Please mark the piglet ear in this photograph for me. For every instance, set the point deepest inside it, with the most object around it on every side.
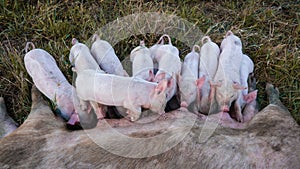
(250, 96)
(160, 76)
(199, 82)
(237, 86)
(151, 76)
(170, 82)
(161, 87)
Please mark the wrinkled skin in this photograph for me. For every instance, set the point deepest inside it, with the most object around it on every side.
(269, 140)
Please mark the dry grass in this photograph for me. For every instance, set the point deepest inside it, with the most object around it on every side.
(269, 32)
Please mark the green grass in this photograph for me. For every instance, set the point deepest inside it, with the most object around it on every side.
(269, 32)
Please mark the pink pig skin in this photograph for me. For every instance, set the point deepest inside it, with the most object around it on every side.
(106, 57)
(247, 67)
(169, 66)
(209, 53)
(187, 79)
(244, 98)
(48, 78)
(133, 94)
(142, 63)
(82, 58)
(155, 52)
(228, 74)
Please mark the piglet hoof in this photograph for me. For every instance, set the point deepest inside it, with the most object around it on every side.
(132, 118)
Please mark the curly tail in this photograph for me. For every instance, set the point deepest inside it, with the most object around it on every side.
(161, 39)
(205, 39)
(95, 37)
(228, 33)
(27, 46)
(196, 47)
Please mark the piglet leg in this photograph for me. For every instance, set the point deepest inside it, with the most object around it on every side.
(134, 115)
(98, 109)
(238, 112)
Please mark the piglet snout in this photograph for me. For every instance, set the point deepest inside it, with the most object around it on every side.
(183, 104)
(225, 108)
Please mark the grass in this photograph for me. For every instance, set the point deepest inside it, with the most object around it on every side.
(269, 32)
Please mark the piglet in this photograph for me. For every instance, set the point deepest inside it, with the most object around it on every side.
(129, 92)
(48, 78)
(207, 68)
(169, 65)
(80, 56)
(106, 57)
(154, 52)
(142, 63)
(246, 69)
(187, 81)
(227, 77)
(245, 98)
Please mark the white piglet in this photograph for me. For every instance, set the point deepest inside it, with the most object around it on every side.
(187, 81)
(48, 78)
(228, 77)
(106, 57)
(82, 59)
(154, 51)
(247, 67)
(142, 63)
(209, 58)
(109, 90)
(169, 65)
